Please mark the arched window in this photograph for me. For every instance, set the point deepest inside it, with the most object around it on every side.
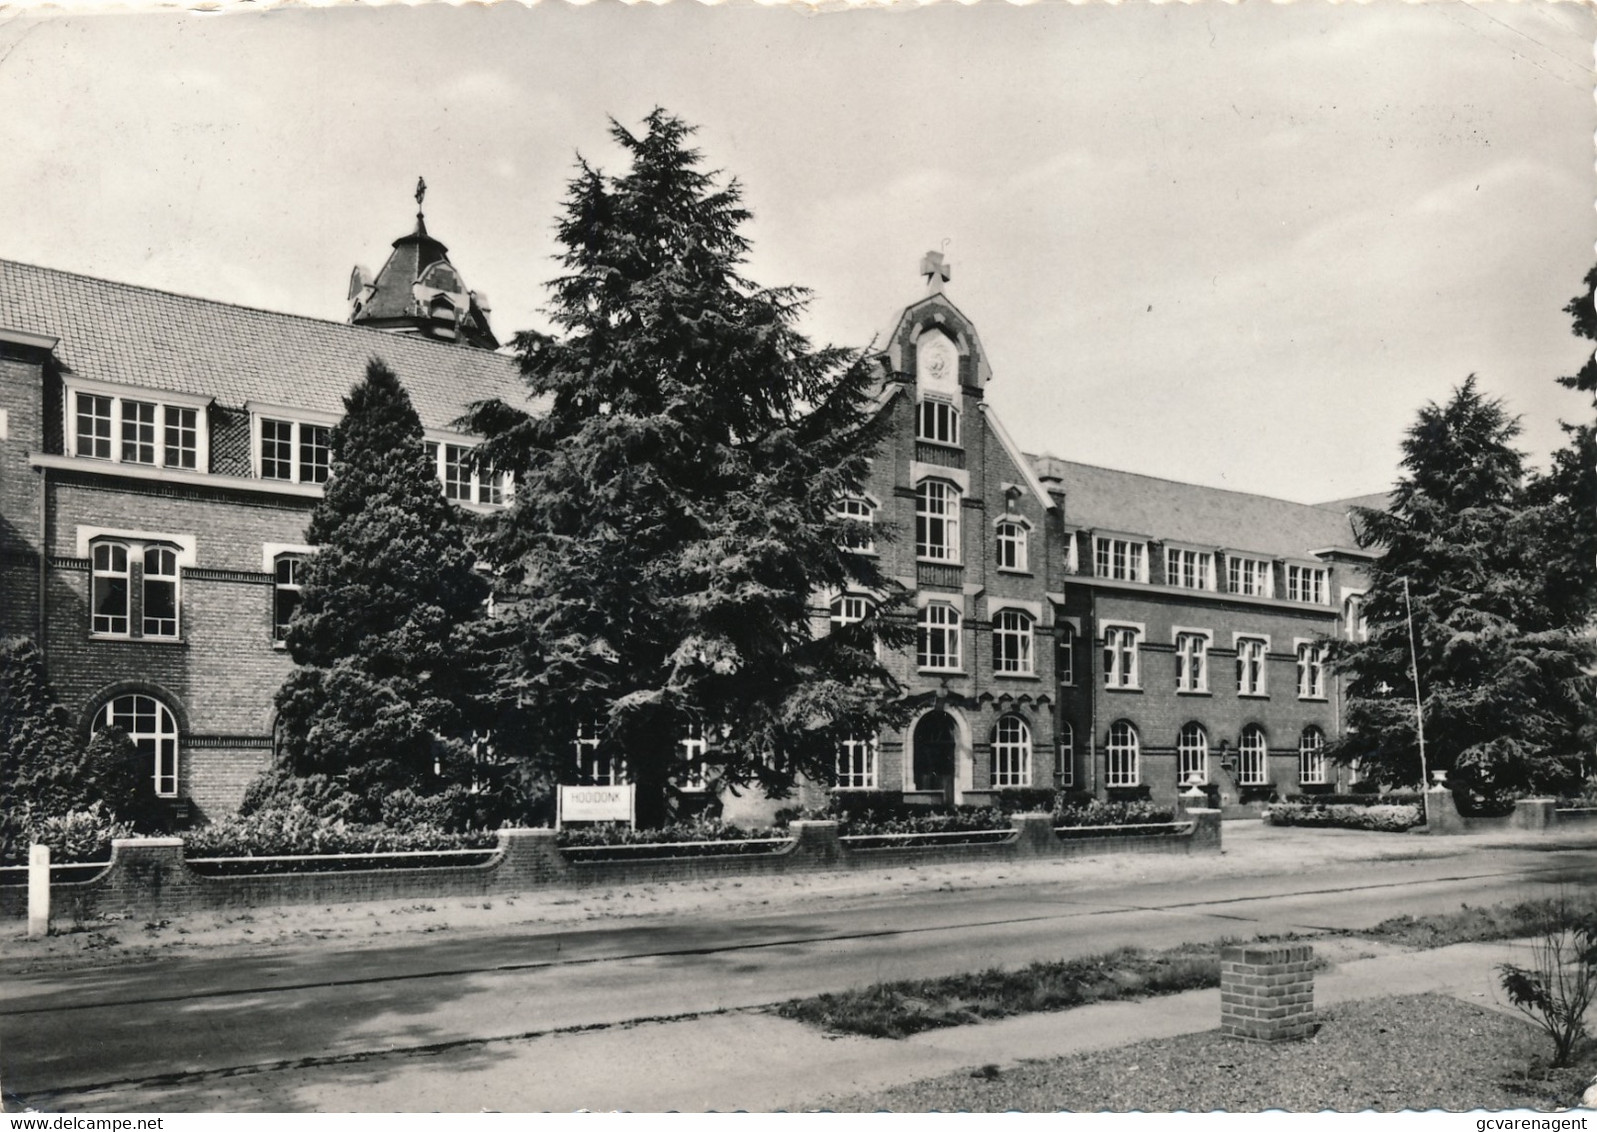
(859, 519)
(937, 421)
(1011, 753)
(1012, 635)
(290, 580)
(135, 589)
(112, 587)
(1123, 755)
(1311, 757)
(937, 521)
(937, 638)
(153, 731)
(856, 763)
(850, 609)
(1193, 747)
(1067, 754)
(1012, 545)
(1254, 768)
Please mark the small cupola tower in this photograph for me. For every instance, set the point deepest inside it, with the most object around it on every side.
(418, 291)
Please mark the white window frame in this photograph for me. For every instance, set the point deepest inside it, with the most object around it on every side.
(1120, 558)
(691, 750)
(436, 446)
(1122, 649)
(1192, 649)
(856, 766)
(136, 545)
(1311, 669)
(1253, 762)
(1249, 576)
(1182, 563)
(280, 587)
(299, 422)
(948, 499)
(1014, 627)
(1312, 768)
(1065, 654)
(948, 623)
(1013, 535)
(1122, 755)
(160, 743)
(1192, 752)
(1309, 584)
(859, 511)
(1011, 753)
(167, 405)
(594, 762)
(937, 421)
(1355, 623)
(1066, 746)
(1253, 652)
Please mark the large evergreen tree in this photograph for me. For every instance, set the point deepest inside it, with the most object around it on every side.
(1500, 671)
(673, 514)
(390, 680)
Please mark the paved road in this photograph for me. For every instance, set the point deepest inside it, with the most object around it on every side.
(186, 1015)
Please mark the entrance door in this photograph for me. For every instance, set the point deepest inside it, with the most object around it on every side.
(936, 742)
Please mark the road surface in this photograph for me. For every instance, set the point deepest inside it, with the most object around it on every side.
(243, 1017)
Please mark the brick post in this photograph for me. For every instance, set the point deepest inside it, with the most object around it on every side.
(1035, 835)
(1535, 813)
(1267, 992)
(528, 858)
(1441, 812)
(1205, 831)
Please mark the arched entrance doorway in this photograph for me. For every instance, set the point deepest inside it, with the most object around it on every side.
(936, 743)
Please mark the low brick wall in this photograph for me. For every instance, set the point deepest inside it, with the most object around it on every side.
(1267, 992)
(149, 879)
(1537, 815)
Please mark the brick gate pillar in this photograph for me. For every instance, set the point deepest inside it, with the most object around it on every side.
(1267, 991)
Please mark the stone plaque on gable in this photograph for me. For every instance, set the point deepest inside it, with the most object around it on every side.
(937, 365)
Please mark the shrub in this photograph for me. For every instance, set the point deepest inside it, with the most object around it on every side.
(291, 831)
(649, 841)
(74, 836)
(1556, 989)
(1096, 812)
(1381, 819)
(1358, 798)
(1027, 800)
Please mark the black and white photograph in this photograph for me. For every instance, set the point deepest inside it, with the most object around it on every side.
(756, 557)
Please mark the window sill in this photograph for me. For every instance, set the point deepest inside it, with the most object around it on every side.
(1016, 676)
(940, 443)
(1193, 692)
(129, 638)
(940, 671)
(1016, 573)
(922, 560)
(1123, 688)
(1253, 695)
(1315, 699)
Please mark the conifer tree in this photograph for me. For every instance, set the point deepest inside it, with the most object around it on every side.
(389, 681)
(1506, 704)
(674, 506)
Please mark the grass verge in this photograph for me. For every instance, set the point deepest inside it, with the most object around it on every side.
(1470, 925)
(1414, 1052)
(898, 1009)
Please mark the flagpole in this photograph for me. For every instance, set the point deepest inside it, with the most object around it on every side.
(1419, 710)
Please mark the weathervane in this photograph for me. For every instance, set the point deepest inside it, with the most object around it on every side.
(421, 191)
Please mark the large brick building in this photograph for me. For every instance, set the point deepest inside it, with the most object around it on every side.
(159, 456)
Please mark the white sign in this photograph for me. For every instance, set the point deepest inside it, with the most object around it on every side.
(595, 803)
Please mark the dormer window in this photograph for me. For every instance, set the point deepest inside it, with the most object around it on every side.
(937, 421)
(1122, 559)
(295, 451)
(1306, 583)
(466, 480)
(1251, 577)
(1189, 569)
(145, 431)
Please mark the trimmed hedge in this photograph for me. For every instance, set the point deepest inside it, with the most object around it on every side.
(1095, 812)
(633, 844)
(294, 832)
(1396, 798)
(1381, 819)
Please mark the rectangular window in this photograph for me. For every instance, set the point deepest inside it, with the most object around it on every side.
(858, 519)
(290, 581)
(182, 437)
(457, 472)
(1305, 583)
(138, 432)
(1311, 672)
(1121, 559)
(315, 453)
(94, 426)
(160, 592)
(134, 589)
(1250, 666)
(1189, 569)
(1012, 642)
(277, 450)
(937, 645)
(1250, 576)
(937, 521)
(1066, 660)
(1011, 546)
(937, 421)
(112, 584)
(1192, 662)
(856, 764)
(1120, 657)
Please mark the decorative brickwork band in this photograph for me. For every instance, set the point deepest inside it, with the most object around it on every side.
(1267, 992)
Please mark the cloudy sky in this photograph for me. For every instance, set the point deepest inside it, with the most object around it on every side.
(1234, 244)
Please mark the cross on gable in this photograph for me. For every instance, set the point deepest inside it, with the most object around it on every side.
(936, 271)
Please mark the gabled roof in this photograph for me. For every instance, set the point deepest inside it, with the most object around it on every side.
(128, 335)
(1378, 501)
(1185, 512)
